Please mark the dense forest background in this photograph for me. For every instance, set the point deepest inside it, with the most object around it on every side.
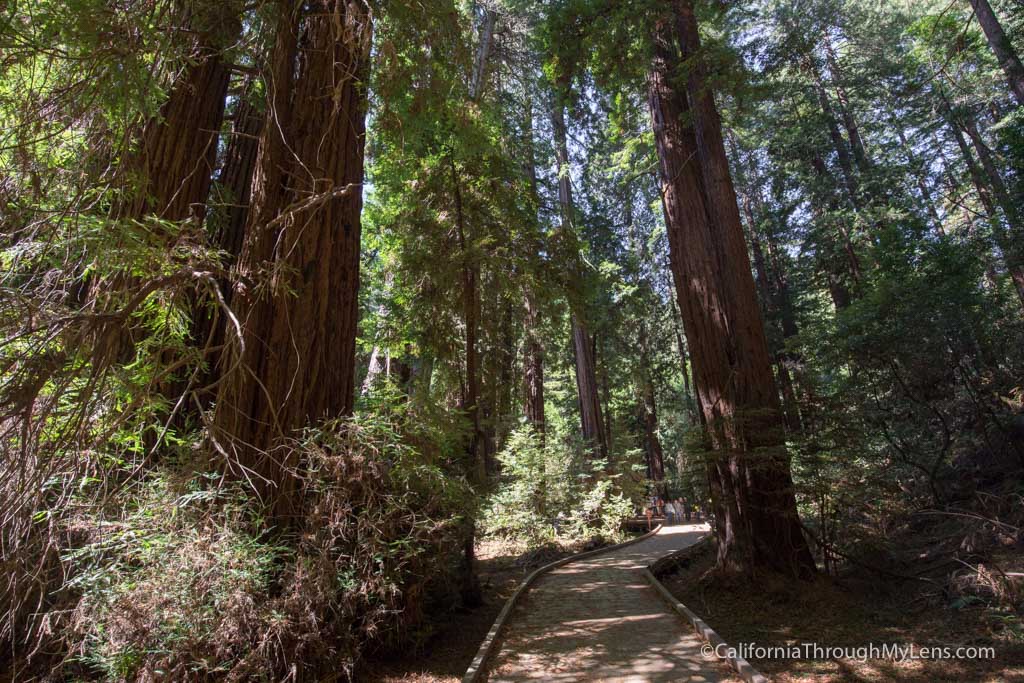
(302, 300)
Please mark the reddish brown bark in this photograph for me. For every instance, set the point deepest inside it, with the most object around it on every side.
(170, 173)
(173, 167)
(591, 422)
(298, 274)
(757, 523)
(230, 202)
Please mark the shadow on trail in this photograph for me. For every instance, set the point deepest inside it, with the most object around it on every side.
(598, 619)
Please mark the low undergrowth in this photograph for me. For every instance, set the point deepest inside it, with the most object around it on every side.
(184, 580)
(948, 579)
(552, 493)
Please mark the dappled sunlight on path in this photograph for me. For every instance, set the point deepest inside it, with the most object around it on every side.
(598, 619)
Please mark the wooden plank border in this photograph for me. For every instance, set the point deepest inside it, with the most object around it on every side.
(477, 667)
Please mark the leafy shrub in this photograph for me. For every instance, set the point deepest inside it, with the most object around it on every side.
(553, 490)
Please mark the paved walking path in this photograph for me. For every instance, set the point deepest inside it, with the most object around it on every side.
(597, 619)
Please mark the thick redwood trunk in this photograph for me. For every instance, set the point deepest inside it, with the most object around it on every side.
(757, 526)
(298, 274)
(175, 162)
(1001, 47)
(170, 173)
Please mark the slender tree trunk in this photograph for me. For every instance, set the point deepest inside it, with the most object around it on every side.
(1001, 46)
(504, 398)
(1010, 239)
(845, 110)
(587, 388)
(601, 358)
(471, 318)
(470, 588)
(231, 195)
(985, 187)
(692, 407)
(653, 453)
(534, 370)
(757, 526)
(298, 275)
(591, 421)
(838, 143)
(920, 177)
(533, 363)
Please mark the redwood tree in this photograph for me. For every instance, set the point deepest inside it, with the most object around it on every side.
(748, 469)
(298, 275)
(592, 424)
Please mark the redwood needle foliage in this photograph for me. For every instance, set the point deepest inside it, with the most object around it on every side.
(302, 300)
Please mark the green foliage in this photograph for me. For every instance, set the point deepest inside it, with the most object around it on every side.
(553, 491)
(186, 581)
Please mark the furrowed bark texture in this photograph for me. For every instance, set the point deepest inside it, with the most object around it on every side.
(298, 274)
(757, 522)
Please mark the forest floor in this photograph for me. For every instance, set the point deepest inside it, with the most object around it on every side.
(853, 611)
(445, 656)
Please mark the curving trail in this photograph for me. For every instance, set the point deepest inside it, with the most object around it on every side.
(597, 619)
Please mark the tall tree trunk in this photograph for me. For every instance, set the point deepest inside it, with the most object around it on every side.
(692, 406)
(984, 186)
(299, 324)
(587, 388)
(231, 195)
(606, 392)
(175, 162)
(591, 422)
(1001, 46)
(533, 362)
(172, 169)
(757, 527)
(653, 452)
(471, 318)
(838, 143)
(1011, 238)
(920, 176)
(533, 366)
(845, 110)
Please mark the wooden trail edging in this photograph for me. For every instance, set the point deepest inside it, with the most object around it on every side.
(744, 668)
(739, 664)
(477, 666)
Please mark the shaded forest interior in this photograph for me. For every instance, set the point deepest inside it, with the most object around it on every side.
(305, 303)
